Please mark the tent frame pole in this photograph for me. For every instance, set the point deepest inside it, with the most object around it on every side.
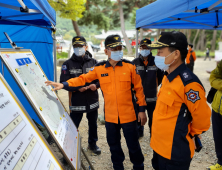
(54, 54)
(137, 34)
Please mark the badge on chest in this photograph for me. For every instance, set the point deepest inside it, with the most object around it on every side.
(104, 75)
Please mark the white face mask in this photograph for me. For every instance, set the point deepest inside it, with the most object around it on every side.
(145, 52)
(79, 51)
(116, 55)
(160, 62)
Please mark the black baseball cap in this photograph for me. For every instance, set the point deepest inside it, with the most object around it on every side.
(79, 40)
(145, 42)
(113, 41)
(171, 39)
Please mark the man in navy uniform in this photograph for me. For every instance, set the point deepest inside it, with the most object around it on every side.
(151, 77)
(85, 98)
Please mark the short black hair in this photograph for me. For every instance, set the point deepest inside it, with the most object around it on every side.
(191, 45)
(183, 53)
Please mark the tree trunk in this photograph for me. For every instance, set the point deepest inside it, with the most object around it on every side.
(76, 28)
(194, 40)
(128, 46)
(188, 35)
(141, 34)
(220, 36)
(213, 42)
(202, 42)
(198, 43)
(158, 33)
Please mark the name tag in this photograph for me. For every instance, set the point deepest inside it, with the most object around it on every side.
(104, 75)
(152, 68)
(74, 71)
(140, 67)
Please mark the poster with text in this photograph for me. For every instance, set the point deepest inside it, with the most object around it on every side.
(28, 74)
(21, 146)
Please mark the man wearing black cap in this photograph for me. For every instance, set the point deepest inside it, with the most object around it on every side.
(85, 98)
(181, 112)
(116, 76)
(151, 77)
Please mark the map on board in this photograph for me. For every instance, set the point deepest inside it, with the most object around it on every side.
(27, 72)
(21, 146)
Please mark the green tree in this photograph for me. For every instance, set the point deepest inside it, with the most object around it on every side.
(70, 9)
(97, 13)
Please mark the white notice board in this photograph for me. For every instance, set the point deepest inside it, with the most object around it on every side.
(30, 77)
(21, 145)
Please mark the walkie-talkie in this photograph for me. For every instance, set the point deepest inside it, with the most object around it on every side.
(198, 143)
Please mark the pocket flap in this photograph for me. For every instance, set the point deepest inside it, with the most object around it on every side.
(166, 99)
(125, 78)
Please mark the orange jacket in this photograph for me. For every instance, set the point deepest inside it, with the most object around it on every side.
(181, 110)
(190, 51)
(115, 84)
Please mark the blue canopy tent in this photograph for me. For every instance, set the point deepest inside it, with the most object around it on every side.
(180, 14)
(29, 23)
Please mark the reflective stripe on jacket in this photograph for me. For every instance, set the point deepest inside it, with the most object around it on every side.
(86, 101)
(150, 75)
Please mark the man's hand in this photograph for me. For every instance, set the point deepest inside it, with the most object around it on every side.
(57, 86)
(92, 87)
(142, 118)
(83, 89)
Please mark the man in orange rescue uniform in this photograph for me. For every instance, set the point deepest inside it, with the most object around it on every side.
(181, 111)
(116, 76)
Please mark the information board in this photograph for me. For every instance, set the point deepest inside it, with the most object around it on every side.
(21, 145)
(28, 74)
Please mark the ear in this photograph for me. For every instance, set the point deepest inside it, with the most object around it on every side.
(86, 48)
(176, 54)
(105, 51)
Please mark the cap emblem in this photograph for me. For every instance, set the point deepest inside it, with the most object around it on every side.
(77, 39)
(173, 43)
(116, 38)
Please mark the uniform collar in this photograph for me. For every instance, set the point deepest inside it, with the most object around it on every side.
(109, 65)
(176, 72)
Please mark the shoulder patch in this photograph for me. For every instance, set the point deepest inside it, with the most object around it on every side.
(91, 69)
(186, 76)
(64, 69)
(193, 96)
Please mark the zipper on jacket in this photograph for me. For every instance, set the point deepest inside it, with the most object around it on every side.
(115, 91)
